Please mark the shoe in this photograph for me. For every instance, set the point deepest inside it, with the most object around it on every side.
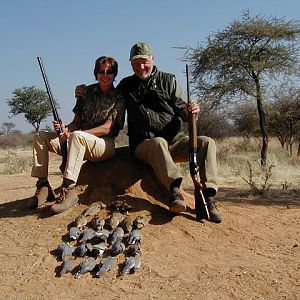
(42, 194)
(177, 204)
(214, 214)
(67, 198)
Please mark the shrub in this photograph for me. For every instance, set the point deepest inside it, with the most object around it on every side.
(11, 163)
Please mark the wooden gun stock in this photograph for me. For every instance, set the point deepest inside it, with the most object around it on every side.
(200, 203)
(63, 146)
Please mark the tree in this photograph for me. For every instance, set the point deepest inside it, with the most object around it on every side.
(241, 59)
(32, 102)
(283, 119)
(7, 127)
(245, 119)
(213, 124)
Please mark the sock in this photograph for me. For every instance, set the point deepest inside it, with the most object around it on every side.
(175, 184)
(67, 183)
(209, 192)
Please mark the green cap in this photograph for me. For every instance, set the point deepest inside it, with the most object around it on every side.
(140, 50)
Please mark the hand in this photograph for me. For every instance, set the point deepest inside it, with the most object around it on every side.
(64, 136)
(193, 107)
(80, 91)
(58, 124)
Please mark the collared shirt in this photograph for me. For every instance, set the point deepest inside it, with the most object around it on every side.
(96, 107)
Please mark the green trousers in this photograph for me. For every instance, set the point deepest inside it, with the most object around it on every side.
(163, 158)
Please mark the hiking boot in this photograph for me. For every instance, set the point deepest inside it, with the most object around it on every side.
(67, 198)
(214, 215)
(42, 194)
(177, 204)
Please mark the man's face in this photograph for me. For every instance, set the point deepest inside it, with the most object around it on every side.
(142, 67)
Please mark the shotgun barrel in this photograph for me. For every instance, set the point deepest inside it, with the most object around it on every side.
(63, 146)
(200, 203)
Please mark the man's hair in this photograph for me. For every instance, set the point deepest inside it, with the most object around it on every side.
(106, 59)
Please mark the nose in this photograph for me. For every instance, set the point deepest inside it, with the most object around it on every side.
(142, 66)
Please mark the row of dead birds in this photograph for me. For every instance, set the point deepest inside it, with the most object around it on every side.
(104, 239)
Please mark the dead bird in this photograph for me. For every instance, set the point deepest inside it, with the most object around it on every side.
(127, 223)
(64, 250)
(103, 234)
(87, 265)
(81, 221)
(117, 247)
(115, 219)
(74, 233)
(81, 250)
(131, 264)
(97, 250)
(139, 222)
(120, 205)
(134, 249)
(107, 263)
(94, 208)
(67, 266)
(98, 223)
(87, 235)
(134, 237)
(117, 233)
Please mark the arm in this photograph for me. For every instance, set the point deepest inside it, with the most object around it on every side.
(101, 130)
(67, 129)
(181, 106)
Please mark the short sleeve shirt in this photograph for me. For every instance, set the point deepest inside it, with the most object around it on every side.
(96, 107)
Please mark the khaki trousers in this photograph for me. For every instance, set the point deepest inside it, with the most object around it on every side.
(163, 158)
(81, 146)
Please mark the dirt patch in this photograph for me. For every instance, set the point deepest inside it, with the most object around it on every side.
(253, 254)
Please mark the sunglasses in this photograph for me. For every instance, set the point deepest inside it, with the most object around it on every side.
(108, 72)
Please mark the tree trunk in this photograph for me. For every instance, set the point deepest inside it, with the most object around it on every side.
(281, 141)
(262, 124)
(291, 149)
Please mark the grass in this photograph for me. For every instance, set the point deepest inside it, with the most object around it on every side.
(238, 164)
(15, 161)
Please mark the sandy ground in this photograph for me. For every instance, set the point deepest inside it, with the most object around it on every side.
(253, 254)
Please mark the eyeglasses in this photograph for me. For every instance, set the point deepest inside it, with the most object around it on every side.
(108, 72)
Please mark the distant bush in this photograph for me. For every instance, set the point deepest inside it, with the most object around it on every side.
(15, 139)
(11, 163)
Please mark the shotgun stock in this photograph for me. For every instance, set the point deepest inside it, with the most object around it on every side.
(200, 203)
(56, 117)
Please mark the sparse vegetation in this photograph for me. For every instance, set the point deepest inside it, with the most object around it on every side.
(12, 163)
(239, 164)
(259, 179)
(238, 160)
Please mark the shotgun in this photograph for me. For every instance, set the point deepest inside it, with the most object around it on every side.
(63, 146)
(200, 203)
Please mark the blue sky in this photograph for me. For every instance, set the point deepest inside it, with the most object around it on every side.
(70, 34)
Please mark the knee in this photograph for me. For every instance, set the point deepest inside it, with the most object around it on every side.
(77, 135)
(206, 142)
(41, 136)
(159, 143)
